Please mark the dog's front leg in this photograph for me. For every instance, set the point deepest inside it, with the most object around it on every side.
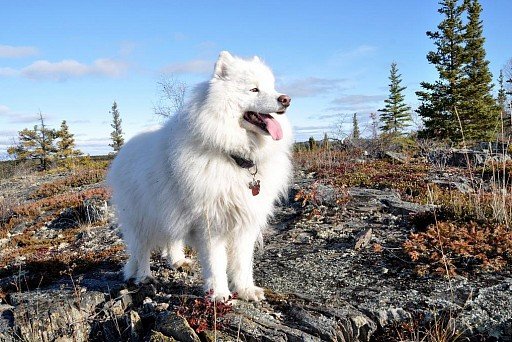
(213, 259)
(240, 266)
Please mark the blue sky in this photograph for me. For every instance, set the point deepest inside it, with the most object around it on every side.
(72, 59)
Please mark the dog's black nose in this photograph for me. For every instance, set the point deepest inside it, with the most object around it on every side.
(284, 100)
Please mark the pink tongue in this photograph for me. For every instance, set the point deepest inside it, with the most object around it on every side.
(273, 127)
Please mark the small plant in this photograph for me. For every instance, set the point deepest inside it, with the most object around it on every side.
(204, 314)
(438, 328)
(306, 196)
(468, 246)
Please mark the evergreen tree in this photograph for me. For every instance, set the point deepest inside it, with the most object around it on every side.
(395, 115)
(66, 144)
(505, 106)
(440, 99)
(460, 104)
(478, 113)
(325, 143)
(37, 143)
(374, 125)
(502, 104)
(117, 134)
(502, 93)
(355, 128)
(312, 144)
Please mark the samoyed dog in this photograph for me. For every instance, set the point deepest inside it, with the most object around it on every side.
(209, 178)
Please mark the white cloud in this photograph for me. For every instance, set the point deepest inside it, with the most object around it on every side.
(8, 133)
(80, 121)
(358, 99)
(69, 68)
(16, 117)
(4, 110)
(8, 51)
(356, 104)
(8, 72)
(108, 67)
(59, 70)
(303, 133)
(325, 116)
(358, 52)
(94, 146)
(311, 86)
(197, 66)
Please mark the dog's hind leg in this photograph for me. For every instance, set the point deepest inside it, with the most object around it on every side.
(130, 268)
(175, 255)
(143, 257)
(132, 265)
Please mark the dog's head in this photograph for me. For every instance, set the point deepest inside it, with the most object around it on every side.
(249, 86)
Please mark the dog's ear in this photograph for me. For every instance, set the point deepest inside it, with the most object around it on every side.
(222, 65)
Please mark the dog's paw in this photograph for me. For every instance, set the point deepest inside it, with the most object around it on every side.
(253, 294)
(183, 263)
(220, 296)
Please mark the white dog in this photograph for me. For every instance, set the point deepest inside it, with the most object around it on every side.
(208, 179)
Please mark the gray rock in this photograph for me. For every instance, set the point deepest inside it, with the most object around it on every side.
(392, 315)
(51, 315)
(156, 336)
(363, 239)
(386, 200)
(396, 157)
(175, 326)
(463, 157)
(256, 324)
(399, 207)
(90, 211)
(326, 195)
(334, 324)
(134, 324)
(7, 332)
(490, 312)
(463, 187)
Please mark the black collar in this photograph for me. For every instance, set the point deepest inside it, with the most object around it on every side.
(242, 162)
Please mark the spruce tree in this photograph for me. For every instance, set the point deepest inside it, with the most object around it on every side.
(312, 144)
(505, 106)
(374, 125)
(66, 144)
(440, 99)
(478, 112)
(325, 142)
(395, 115)
(117, 134)
(355, 128)
(502, 103)
(502, 93)
(37, 143)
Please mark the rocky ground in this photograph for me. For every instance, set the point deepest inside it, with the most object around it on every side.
(333, 270)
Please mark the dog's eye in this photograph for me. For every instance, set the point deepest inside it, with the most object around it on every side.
(255, 90)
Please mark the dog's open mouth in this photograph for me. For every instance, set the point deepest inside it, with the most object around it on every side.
(266, 123)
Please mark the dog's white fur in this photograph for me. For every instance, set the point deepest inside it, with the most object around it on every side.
(179, 186)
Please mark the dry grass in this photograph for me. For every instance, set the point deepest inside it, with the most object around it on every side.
(44, 256)
(78, 179)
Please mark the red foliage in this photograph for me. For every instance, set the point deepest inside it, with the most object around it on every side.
(204, 314)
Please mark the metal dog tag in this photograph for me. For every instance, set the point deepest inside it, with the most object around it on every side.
(255, 186)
